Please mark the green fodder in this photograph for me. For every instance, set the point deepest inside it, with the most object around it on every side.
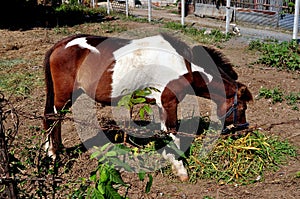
(240, 160)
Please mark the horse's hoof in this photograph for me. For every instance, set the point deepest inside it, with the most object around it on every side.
(52, 155)
(184, 178)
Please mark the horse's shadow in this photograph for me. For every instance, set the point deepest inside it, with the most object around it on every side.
(142, 138)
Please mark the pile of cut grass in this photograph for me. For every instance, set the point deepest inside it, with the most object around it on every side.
(240, 159)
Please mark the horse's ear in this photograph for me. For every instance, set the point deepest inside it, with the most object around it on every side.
(244, 93)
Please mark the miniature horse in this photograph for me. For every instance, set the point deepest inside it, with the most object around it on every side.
(108, 68)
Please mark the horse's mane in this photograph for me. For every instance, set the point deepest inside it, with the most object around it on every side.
(182, 48)
(207, 57)
(221, 61)
(198, 55)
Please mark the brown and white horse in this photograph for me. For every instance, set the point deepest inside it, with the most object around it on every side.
(108, 68)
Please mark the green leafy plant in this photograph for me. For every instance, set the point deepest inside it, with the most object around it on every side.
(275, 94)
(138, 97)
(293, 99)
(142, 176)
(284, 55)
(105, 180)
(298, 174)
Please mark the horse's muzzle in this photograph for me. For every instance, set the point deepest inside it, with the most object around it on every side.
(235, 127)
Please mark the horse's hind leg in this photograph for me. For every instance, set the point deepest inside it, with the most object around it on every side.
(54, 141)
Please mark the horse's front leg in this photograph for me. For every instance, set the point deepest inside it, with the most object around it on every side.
(168, 116)
(169, 123)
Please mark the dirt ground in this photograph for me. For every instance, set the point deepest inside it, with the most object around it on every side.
(274, 119)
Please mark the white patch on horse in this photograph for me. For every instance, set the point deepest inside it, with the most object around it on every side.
(54, 109)
(49, 148)
(82, 43)
(177, 166)
(176, 140)
(147, 62)
(201, 70)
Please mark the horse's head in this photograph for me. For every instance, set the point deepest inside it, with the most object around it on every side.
(234, 109)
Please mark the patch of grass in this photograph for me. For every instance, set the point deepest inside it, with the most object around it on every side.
(113, 28)
(136, 19)
(198, 35)
(8, 64)
(20, 82)
(283, 56)
(61, 30)
(75, 13)
(241, 159)
(215, 36)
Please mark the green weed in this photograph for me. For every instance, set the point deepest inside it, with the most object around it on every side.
(293, 99)
(21, 84)
(298, 174)
(277, 95)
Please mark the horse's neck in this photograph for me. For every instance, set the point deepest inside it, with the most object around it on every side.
(218, 90)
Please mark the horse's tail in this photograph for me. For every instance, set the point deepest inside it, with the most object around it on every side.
(49, 84)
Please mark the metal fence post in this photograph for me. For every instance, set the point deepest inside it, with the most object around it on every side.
(296, 19)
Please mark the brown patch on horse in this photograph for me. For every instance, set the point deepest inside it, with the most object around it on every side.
(48, 73)
(95, 72)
